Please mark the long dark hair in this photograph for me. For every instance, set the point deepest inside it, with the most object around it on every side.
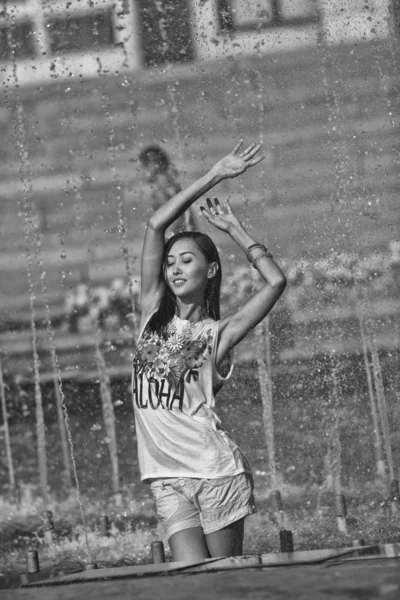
(167, 308)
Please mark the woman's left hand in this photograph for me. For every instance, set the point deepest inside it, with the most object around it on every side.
(235, 164)
(222, 218)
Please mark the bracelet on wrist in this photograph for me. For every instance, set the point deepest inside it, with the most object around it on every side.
(257, 245)
(254, 247)
(263, 255)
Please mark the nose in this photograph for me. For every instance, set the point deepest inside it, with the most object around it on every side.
(176, 268)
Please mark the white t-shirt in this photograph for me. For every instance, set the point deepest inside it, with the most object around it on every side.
(173, 383)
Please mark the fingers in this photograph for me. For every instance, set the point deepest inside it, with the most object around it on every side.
(251, 151)
(216, 208)
(236, 148)
(210, 205)
(255, 161)
(248, 149)
(228, 206)
(208, 212)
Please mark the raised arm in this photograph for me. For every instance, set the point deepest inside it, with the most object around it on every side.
(235, 327)
(152, 281)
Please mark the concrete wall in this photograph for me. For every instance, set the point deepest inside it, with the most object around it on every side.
(253, 27)
(336, 20)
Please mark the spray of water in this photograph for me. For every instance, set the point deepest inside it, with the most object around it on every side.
(67, 474)
(10, 465)
(379, 461)
(106, 397)
(55, 362)
(385, 87)
(382, 405)
(335, 128)
(108, 414)
(19, 138)
(264, 363)
(34, 243)
(122, 226)
(172, 99)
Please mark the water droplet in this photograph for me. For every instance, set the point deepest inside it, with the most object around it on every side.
(63, 254)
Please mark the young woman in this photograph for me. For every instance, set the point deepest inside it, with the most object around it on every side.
(200, 479)
(163, 179)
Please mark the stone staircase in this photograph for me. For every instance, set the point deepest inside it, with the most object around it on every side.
(329, 119)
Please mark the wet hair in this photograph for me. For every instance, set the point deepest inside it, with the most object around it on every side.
(168, 305)
(155, 154)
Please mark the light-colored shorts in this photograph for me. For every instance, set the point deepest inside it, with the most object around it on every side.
(212, 504)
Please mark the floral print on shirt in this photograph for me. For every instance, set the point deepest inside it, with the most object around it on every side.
(173, 357)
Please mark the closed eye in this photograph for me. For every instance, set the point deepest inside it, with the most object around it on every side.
(171, 264)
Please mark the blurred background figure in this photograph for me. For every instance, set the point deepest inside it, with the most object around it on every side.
(133, 291)
(100, 301)
(120, 304)
(108, 308)
(77, 307)
(163, 179)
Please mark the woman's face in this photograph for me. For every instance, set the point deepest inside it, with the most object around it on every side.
(187, 270)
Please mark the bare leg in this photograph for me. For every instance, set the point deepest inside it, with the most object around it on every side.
(227, 541)
(189, 544)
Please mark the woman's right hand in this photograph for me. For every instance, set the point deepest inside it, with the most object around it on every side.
(222, 218)
(235, 164)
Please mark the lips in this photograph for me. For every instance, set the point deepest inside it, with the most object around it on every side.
(178, 281)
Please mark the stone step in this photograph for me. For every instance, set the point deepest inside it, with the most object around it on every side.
(282, 69)
(304, 192)
(305, 149)
(301, 155)
(353, 79)
(94, 129)
(89, 115)
(76, 355)
(289, 223)
(288, 125)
